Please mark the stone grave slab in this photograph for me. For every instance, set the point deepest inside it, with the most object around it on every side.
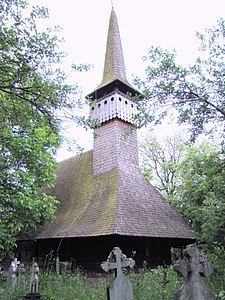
(193, 269)
(121, 288)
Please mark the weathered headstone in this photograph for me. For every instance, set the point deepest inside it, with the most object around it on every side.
(13, 274)
(193, 269)
(121, 288)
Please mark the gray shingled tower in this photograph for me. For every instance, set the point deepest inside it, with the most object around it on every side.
(105, 200)
(116, 142)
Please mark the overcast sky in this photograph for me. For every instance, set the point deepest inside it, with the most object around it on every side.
(142, 23)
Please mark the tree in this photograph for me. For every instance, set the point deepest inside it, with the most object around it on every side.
(196, 92)
(160, 162)
(33, 96)
(201, 195)
(192, 178)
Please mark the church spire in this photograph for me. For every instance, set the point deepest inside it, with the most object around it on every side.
(114, 67)
(114, 74)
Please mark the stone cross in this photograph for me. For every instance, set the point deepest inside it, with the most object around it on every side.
(121, 288)
(13, 274)
(193, 270)
(34, 278)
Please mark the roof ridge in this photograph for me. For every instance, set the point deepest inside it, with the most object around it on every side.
(76, 156)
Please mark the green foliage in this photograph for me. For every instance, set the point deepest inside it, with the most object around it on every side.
(201, 196)
(196, 92)
(33, 98)
(70, 286)
(160, 283)
(192, 178)
(217, 259)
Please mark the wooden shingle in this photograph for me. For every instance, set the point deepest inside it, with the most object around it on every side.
(120, 201)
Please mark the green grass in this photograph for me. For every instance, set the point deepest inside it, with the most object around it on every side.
(156, 284)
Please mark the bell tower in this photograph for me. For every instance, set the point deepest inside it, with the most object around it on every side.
(115, 143)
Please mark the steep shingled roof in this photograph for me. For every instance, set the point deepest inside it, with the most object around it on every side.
(119, 202)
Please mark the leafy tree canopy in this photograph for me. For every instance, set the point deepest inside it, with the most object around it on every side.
(201, 194)
(33, 96)
(197, 92)
(192, 178)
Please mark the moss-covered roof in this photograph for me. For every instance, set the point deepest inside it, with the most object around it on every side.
(87, 204)
(119, 202)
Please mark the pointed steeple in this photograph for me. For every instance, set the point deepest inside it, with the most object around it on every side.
(114, 74)
(114, 67)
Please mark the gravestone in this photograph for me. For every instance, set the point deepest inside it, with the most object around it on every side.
(193, 269)
(33, 283)
(121, 288)
(34, 278)
(13, 274)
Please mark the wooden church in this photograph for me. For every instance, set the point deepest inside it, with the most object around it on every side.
(105, 201)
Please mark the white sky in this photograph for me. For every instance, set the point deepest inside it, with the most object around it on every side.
(142, 23)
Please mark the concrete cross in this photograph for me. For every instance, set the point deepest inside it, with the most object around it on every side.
(13, 274)
(33, 283)
(34, 278)
(193, 269)
(121, 288)
(118, 262)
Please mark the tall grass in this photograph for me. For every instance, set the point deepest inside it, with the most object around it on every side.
(156, 284)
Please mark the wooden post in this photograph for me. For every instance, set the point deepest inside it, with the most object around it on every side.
(57, 265)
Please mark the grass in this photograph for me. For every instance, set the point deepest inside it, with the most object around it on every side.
(156, 284)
